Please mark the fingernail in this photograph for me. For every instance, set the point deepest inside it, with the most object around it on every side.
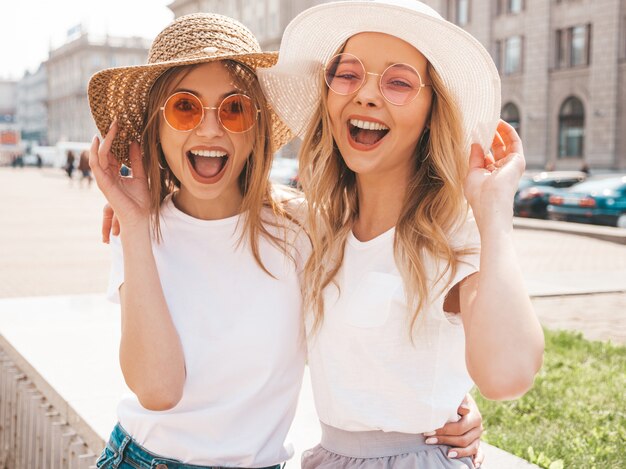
(477, 465)
(429, 433)
(113, 123)
(431, 441)
(453, 454)
(464, 406)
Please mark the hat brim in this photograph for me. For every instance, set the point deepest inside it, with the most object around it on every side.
(122, 93)
(293, 85)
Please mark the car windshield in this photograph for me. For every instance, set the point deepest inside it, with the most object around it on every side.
(601, 185)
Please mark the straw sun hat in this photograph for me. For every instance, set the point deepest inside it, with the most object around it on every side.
(294, 84)
(122, 92)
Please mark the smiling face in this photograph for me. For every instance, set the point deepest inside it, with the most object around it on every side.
(375, 137)
(208, 159)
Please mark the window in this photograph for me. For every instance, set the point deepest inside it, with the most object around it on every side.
(573, 46)
(462, 12)
(513, 55)
(514, 6)
(510, 113)
(579, 46)
(571, 128)
(459, 11)
(509, 6)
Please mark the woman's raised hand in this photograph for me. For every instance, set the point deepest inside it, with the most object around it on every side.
(492, 180)
(128, 196)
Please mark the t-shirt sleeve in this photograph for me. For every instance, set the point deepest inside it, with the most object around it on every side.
(116, 276)
(466, 237)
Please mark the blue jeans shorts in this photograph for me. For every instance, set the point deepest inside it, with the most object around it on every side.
(122, 452)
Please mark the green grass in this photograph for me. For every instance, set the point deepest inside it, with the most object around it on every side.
(575, 415)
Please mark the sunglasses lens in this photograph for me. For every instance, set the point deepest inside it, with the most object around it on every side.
(237, 113)
(183, 111)
(400, 84)
(344, 74)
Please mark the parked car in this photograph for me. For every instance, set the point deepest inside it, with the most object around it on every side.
(533, 192)
(598, 201)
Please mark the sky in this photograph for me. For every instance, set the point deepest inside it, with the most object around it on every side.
(28, 28)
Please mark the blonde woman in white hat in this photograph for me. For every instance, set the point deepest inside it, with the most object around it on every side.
(207, 266)
(413, 290)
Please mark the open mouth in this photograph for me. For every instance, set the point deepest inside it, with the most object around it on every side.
(366, 133)
(208, 164)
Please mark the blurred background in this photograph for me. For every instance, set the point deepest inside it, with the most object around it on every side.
(563, 69)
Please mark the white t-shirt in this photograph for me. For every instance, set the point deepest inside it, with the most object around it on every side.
(243, 341)
(366, 372)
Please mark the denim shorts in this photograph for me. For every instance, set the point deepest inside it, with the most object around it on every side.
(122, 452)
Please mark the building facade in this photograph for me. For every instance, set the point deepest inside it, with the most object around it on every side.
(32, 111)
(562, 63)
(8, 101)
(266, 19)
(10, 142)
(69, 68)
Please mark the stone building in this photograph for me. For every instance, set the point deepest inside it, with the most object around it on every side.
(69, 68)
(563, 69)
(562, 63)
(32, 112)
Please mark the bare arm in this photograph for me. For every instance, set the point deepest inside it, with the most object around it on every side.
(151, 354)
(504, 340)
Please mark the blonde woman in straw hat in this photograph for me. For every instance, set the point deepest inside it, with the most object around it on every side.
(206, 267)
(412, 290)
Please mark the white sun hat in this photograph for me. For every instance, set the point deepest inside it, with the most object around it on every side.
(293, 86)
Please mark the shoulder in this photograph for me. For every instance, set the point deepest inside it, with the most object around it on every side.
(291, 200)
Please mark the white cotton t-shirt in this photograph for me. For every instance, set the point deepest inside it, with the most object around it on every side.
(243, 341)
(366, 372)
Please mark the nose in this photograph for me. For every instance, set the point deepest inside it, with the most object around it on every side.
(210, 125)
(369, 92)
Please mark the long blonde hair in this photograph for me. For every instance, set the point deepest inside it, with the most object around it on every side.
(254, 178)
(433, 203)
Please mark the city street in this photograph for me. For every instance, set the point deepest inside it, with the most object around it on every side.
(50, 245)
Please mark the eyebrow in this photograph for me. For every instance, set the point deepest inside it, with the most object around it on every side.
(401, 65)
(199, 95)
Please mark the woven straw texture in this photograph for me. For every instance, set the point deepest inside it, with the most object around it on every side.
(122, 92)
(293, 86)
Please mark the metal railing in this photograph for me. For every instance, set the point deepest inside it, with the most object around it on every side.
(38, 429)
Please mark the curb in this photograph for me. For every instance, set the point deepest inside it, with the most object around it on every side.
(496, 458)
(604, 233)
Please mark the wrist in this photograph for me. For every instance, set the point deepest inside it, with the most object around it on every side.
(137, 230)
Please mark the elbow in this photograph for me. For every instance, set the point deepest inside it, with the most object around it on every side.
(157, 397)
(507, 389)
(512, 384)
(159, 401)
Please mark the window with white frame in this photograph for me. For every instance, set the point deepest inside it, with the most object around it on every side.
(573, 46)
(513, 55)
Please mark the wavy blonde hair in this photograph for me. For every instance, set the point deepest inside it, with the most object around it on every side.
(433, 204)
(254, 178)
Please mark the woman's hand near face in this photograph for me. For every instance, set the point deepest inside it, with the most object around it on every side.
(128, 196)
(492, 181)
